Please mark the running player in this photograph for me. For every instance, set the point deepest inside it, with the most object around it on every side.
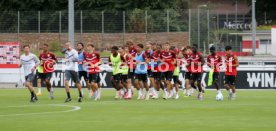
(141, 78)
(232, 63)
(156, 71)
(131, 63)
(124, 71)
(196, 63)
(82, 68)
(214, 62)
(168, 61)
(148, 52)
(131, 48)
(29, 61)
(176, 72)
(39, 75)
(92, 60)
(47, 60)
(186, 52)
(71, 71)
(153, 46)
(115, 61)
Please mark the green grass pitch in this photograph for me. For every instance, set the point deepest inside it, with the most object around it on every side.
(253, 110)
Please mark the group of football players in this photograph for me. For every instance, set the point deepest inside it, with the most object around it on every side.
(146, 67)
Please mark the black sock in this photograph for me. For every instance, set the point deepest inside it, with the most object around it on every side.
(68, 95)
(199, 88)
(80, 94)
(194, 86)
(32, 94)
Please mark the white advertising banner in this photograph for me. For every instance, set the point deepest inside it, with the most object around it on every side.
(273, 40)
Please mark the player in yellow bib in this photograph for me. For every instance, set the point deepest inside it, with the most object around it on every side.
(39, 72)
(124, 70)
(39, 76)
(115, 61)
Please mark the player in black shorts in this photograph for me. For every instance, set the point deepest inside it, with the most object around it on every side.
(124, 75)
(29, 62)
(214, 62)
(148, 52)
(156, 72)
(47, 61)
(82, 68)
(168, 59)
(196, 63)
(141, 78)
(186, 55)
(116, 60)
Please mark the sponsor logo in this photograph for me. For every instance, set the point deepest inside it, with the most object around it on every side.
(48, 66)
(58, 79)
(261, 80)
(237, 25)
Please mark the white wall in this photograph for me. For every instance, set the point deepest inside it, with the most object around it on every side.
(273, 41)
(11, 75)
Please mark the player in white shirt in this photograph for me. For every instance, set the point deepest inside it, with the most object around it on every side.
(71, 71)
(29, 61)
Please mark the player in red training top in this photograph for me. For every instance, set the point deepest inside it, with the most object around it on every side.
(47, 61)
(131, 48)
(214, 62)
(186, 52)
(232, 63)
(93, 61)
(148, 52)
(168, 64)
(130, 61)
(116, 61)
(196, 63)
(176, 82)
(154, 63)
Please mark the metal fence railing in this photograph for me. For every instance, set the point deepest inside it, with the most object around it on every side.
(179, 27)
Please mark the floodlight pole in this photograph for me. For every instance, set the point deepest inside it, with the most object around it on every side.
(253, 28)
(198, 24)
(71, 27)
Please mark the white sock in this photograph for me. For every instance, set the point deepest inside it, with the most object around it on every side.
(140, 92)
(157, 93)
(192, 90)
(129, 92)
(150, 89)
(99, 91)
(144, 91)
(189, 92)
(51, 89)
(147, 92)
(154, 92)
(184, 91)
(39, 89)
(229, 91)
(122, 91)
(219, 91)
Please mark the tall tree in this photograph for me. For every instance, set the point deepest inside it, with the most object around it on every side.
(265, 8)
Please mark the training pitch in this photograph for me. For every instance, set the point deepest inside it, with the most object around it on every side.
(253, 110)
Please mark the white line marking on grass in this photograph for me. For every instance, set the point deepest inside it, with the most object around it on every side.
(74, 108)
